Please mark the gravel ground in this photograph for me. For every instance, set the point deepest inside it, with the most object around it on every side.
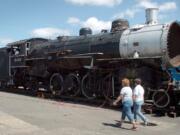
(23, 115)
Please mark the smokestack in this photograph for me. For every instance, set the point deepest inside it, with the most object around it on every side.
(151, 16)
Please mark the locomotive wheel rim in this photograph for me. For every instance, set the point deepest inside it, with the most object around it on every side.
(27, 85)
(3, 84)
(56, 80)
(74, 87)
(106, 93)
(165, 95)
(84, 89)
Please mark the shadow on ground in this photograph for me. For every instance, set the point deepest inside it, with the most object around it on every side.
(117, 124)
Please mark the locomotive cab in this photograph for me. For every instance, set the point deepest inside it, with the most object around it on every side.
(18, 52)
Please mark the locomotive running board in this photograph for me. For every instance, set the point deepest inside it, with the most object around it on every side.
(116, 59)
(35, 59)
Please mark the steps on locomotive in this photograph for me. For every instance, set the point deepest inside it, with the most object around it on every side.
(150, 102)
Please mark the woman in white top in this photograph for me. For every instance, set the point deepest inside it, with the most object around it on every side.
(127, 102)
(138, 95)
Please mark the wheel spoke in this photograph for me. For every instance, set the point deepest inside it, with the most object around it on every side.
(89, 86)
(107, 87)
(56, 84)
(72, 85)
(161, 99)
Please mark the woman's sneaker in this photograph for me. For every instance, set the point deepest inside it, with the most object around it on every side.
(145, 123)
(137, 122)
(134, 128)
(119, 124)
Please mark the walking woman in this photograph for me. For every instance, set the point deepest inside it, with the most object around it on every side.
(127, 102)
(138, 95)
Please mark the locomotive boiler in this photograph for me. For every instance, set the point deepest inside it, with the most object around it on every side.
(92, 65)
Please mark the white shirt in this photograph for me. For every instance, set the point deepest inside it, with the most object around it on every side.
(126, 92)
(139, 93)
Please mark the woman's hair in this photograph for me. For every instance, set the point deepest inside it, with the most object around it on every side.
(137, 81)
(125, 82)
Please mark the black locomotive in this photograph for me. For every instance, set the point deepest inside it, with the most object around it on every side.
(92, 65)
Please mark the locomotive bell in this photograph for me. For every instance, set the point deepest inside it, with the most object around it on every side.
(119, 24)
(85, 31)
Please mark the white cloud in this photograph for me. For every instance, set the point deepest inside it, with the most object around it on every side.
(73, 20)
(135, 9)
(143, 4)
(129, 13)
(49, 32)
(147, 4)
(95, 2)
(96, 25)
(167, 6)
(5, 41)
(92, 22)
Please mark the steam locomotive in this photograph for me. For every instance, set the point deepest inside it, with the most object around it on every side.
(91, 65)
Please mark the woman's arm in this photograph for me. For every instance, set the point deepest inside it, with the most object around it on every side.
(117, 100)
(134, 97)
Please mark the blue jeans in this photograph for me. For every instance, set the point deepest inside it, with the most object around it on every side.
(137, 111)
(126, 111)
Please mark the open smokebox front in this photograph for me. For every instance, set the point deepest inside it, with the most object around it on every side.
(174, 44)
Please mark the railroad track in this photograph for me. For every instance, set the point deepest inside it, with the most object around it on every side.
(47, 95)
(148, 106)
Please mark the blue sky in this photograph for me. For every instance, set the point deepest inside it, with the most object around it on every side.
(20, 19)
